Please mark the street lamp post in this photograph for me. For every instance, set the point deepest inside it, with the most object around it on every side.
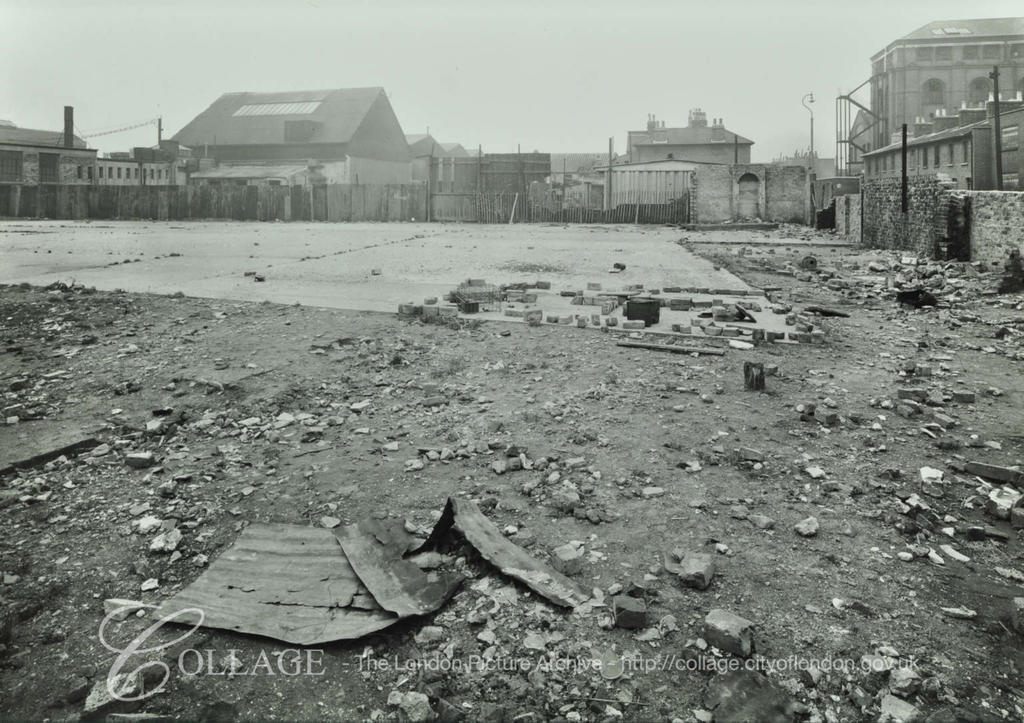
(809, 98)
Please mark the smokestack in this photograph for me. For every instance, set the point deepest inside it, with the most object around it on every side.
(69, 126)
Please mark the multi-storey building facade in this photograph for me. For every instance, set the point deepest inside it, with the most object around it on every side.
(941, 66)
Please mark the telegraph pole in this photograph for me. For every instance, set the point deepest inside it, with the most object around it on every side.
(997, 133)
(903, 170)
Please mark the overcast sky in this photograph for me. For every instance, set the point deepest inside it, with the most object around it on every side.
(551, 75)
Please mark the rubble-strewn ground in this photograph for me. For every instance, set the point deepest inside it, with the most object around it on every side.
(247, 409)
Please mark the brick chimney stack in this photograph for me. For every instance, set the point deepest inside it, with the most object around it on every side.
(698, 118)
(967, 115)
(943, 121)
(1006, 104)
(922, 127)
(69, 126)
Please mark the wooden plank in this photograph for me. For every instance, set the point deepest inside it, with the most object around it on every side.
(672, 348)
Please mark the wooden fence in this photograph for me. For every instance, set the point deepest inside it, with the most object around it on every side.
(636, 207)
(239, 203)
(334, 203)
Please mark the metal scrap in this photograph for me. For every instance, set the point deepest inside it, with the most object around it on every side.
(511, 559)
(286, 582)
(375, 550)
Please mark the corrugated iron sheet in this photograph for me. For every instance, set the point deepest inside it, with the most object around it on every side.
(374, 549)
(511, 559)
(286, 582)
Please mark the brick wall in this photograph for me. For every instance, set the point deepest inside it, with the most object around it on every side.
(786, 193)
(885, 226)
(997, 226)
(711, 195)
(783, 193)
(67, 166)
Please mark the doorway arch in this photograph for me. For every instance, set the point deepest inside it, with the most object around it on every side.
(748, 196)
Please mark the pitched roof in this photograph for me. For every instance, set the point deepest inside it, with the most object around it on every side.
(688, 136)
(947, 134)
(976, 28)
(454, 150)
(259, 118)
(30, 137)
(422, 144)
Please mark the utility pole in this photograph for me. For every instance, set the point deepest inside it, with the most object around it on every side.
(997, 132)
(608, 181)
(809, 98)
(903, 169)
(159, 131)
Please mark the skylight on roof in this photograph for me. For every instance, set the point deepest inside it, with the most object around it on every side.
(951, 31)
(301, 107)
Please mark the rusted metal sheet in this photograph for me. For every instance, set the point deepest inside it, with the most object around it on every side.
(375, 550)
(285, 582)
(511, 559)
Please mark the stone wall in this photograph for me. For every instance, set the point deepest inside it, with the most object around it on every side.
(885, 226)
(997, 226)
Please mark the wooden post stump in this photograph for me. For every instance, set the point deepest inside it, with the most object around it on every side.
(753, 376)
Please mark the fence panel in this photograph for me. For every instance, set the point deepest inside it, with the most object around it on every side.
(399, 202)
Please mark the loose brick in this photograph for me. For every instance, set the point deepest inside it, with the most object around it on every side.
(630, 612)
(729, 632)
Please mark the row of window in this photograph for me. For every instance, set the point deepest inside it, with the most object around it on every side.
(947, 54)
(160, 173)
(932, 155)
(12, 162)
(967, 52)
(1010, 137)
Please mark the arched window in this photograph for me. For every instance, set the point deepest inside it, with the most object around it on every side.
(934, 92)
(978, 90)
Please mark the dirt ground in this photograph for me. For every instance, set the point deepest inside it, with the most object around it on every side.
(677, 454)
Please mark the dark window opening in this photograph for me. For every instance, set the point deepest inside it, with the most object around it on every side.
(48, 165)
(934, 92)
(10, 165)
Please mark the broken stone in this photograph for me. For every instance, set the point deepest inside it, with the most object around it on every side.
(904, 681)
(729, 632)
(1001, 501)
(762, 522)
(119, 609)
(568, 558)
(414, 706)
(694, 569)
(894, 710)
(101, 701)
(630, 612)
(166, 541)
(746, 695)
(139, 460)
(1017, 614)
(807, 527)
(147, 524)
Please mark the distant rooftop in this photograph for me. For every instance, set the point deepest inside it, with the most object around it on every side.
(10, 133)
(976, 28)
